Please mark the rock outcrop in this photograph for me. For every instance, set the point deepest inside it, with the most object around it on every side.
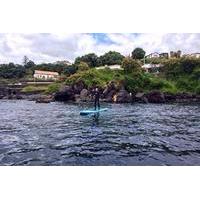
(65, 94)
(78, 87)
(44, 99)
(84, 95)
(140, 97)
(122, 97)
(155, 97)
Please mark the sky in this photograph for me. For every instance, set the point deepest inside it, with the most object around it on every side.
(51, 47)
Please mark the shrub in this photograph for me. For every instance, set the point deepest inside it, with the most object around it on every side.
(31, 88)
(111, 58)
(69, 70)
(184, 84)
(96, 77)
(53, 88)
(197, 90)
(137, 81)
(82, 66)
(196, 74)
(130, 65)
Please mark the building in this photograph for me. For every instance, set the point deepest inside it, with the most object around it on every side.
(152, 68)
(45, 75)
(194, 55)
(157, 55)
(164, 55)
(153, 55)
(175, 54)
(113, 67)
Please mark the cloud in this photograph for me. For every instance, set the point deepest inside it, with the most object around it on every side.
(50, 47)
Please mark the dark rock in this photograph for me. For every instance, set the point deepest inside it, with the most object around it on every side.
(169, 97)
(139, 97)
(109, 96)
(198, 97)
(185, 98)
(17, 96)
(31, 97)
(78, 87)
(155, 97)
(77, 98)
(84, 95)
(44, 99)
(122, 97)
(109, 89)
(65, 94)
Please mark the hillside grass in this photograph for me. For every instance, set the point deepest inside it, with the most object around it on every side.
(99, 77)
(133, 82)
(31, 88)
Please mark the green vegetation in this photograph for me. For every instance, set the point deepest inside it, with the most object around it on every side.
(91, 59)
(111, 58)
(144, 82)
(176, 74)
(130, 65)
(184, 73)
(96, 77)
(11, 70)
(52, 88)
(138, 53)
(134, 79)
(34, 88)
(82, 66)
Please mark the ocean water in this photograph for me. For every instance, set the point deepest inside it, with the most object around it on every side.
(127, 134)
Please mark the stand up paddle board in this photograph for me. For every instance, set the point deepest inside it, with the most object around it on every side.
(88, 112)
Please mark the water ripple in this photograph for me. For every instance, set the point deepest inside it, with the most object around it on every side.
(138, 134)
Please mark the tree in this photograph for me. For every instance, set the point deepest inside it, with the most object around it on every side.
(111, 58)
(130, 65)
(11, 70)
(69, 70)
(91, 59)
(30, 64)
(138, 53)
(11, 65)
(25, 60)
(82, 66)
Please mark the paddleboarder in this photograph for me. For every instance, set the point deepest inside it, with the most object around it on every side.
(96, 98)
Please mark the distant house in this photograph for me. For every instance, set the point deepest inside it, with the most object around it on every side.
(164, 55)
(174, 54)
(153, 55)
(152, 68)
(195, 55)
(113, 67)
(45, 75)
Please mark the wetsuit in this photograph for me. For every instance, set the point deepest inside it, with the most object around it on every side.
(96, 100)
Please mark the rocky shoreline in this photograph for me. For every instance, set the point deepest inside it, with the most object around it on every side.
(111, 94)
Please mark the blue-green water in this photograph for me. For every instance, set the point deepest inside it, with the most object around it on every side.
(137, 134)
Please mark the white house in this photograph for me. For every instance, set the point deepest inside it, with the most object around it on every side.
(45, 75)
(152, 68)
(113, 67)
(195, 55)
(153, 55)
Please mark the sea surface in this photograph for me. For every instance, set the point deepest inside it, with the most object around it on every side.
(127, 134)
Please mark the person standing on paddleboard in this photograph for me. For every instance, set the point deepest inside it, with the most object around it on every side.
(96, 98)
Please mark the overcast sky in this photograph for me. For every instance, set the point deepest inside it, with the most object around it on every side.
(47, 47)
